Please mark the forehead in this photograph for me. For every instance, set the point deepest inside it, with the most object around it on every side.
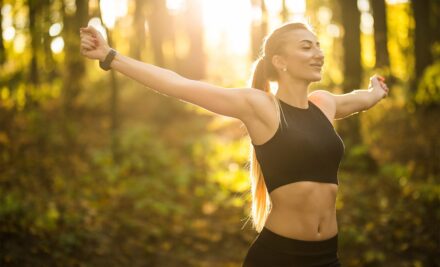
(299, 36)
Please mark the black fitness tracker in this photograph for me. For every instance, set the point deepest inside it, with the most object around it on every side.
(105, 65)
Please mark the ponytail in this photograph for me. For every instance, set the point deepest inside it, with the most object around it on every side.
(263, 73)
(261, 203)
(259, 79)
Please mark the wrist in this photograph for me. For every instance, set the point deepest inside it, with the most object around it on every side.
(374, 97)
(105, 52)
(106, 63)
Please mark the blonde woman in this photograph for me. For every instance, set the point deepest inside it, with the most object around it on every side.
(295, 149)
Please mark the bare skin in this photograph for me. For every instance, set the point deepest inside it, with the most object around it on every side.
(303, 210)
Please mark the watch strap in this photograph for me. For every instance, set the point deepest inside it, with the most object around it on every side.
(105, 65)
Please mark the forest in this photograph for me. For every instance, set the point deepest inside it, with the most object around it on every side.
(98, 170)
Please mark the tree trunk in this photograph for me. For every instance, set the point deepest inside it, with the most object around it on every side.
(138, 43)
(259, 29)
(380, 33)
(74, 70)
(422, 41)
(195, 62)
(2, 47)
(157, 22)
(33, 10)
(350, 127)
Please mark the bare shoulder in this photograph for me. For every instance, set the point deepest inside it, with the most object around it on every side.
(325, 101)
(264, 121)
(262, 105)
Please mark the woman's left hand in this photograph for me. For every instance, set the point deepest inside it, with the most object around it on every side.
(378, 87)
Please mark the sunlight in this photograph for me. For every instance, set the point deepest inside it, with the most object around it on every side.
(296, 6)
(96, 23)
(227, 22)
(296, 10)
(175, 6)
(55, 29)
(6, 23)
(112, 10)
(57, 45)
(394, 2)
(9, 33)
(19, 43)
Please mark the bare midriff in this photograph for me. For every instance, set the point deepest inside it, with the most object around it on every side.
(304, 210)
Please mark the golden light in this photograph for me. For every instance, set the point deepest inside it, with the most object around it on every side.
(57, 45)
(111, 10)
(273, 7)
(9, 33)
(19, 43)
(227, 24)
(55, 29)
(175, 6)
(96, 23)
(333, 30)
(395, 2)
(367, 23)
(324, 15)
(8, 30)
(297, 7)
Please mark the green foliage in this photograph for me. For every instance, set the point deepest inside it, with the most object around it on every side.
(178, 193)
(428, 91)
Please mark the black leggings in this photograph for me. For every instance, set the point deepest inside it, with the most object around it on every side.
(273, 250)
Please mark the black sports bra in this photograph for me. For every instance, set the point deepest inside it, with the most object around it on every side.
(307, 148)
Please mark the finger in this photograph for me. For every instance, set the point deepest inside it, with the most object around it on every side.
(90, 29)
(89, 41)
(85, 34)
(88, 44)
(87, 47)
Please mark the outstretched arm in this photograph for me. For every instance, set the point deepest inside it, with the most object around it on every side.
(232, 102)
(358, 100)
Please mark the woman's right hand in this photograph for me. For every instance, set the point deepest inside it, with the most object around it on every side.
(93, 44)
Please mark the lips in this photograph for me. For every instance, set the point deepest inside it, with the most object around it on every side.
(316, 65)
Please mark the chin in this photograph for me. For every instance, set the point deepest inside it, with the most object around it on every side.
(315, 78)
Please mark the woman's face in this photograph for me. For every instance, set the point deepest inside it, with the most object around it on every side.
(303, 56)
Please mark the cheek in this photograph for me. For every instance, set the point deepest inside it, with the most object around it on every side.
(302, 57)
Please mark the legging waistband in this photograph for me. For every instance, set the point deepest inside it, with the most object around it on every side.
(290, 245)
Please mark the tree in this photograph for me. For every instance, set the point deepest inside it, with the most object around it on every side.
(422, 38)
(2, 47)
(350, 16)
(380, 33)
(259, 28)
(195, 61)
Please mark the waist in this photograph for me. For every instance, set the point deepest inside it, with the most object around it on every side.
(303, 225)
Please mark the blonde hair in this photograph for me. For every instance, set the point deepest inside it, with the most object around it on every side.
(263, 73)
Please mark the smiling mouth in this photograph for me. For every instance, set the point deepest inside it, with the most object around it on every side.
(316, 66)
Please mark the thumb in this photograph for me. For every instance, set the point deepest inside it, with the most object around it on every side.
(375, 80)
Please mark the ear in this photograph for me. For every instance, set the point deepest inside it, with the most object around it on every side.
(279, 62)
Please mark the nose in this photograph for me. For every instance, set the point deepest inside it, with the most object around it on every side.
(319, 54)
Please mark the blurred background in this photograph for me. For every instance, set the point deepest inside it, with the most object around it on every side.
(97, 170)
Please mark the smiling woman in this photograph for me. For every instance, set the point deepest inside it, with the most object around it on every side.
(294, 160)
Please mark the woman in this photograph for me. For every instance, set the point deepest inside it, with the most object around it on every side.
(294, 160)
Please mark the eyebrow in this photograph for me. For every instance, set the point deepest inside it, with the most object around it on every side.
(310, 42)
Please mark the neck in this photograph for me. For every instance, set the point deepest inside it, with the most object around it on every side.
(294, 92)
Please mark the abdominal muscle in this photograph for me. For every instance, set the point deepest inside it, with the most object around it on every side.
(304, 210)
